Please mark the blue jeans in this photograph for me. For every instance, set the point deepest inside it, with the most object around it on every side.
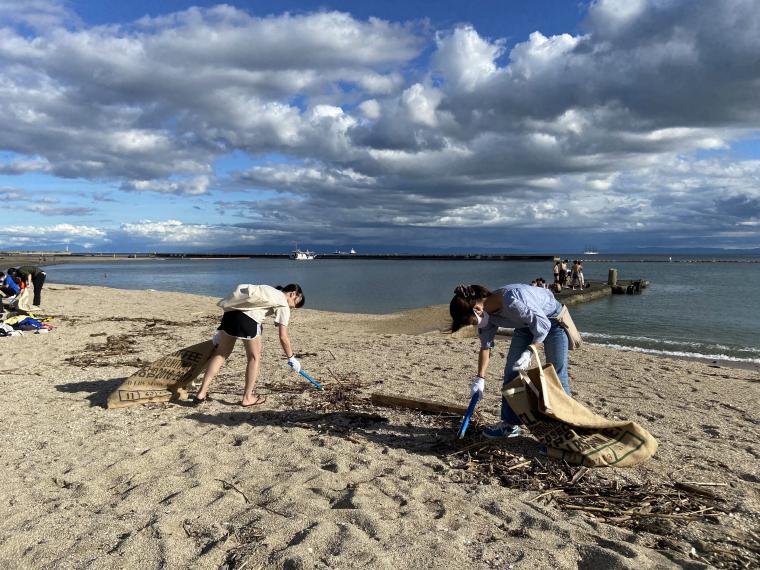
(555, 346)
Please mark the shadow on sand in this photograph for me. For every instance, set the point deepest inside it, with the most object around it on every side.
(99, 389)
(367, 426)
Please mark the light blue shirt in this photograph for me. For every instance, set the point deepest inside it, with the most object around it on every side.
(524, 306)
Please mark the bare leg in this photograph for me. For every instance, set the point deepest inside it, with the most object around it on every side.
(253, 353)
(215, 363)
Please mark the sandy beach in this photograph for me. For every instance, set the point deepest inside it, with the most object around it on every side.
(327, 480)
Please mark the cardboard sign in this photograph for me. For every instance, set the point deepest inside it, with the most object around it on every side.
(165, 379)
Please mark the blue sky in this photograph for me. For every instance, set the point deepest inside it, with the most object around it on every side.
(384, 126)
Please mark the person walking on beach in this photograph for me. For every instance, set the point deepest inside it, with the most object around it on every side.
(244, 312)
(33, 276)
(532, 311)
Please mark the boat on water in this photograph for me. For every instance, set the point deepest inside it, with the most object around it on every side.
(590, 251)
(339, 252)
(302, 255)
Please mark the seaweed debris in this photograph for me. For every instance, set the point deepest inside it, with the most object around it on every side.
(678, 517)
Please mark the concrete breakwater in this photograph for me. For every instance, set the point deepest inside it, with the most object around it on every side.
(598, 290)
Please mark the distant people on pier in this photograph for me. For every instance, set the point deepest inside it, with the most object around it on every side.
(563, 273)
(576, 279)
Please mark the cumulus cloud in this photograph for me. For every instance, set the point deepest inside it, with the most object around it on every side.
(51, 237)
(381, 131)
(194, 187)
(173, 233)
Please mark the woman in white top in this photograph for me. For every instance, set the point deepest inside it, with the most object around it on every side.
(244, 312)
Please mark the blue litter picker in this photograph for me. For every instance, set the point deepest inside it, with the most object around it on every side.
(468, 414)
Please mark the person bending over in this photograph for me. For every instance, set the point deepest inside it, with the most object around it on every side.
(244, 312)
(8, 285)
(33, 276)
(532, 312)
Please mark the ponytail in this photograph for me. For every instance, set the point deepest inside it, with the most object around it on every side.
(460, 308)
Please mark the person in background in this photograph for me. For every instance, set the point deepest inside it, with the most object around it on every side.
(244, 312)
(563, 273)
(33, 276)
(581, 280)
(555, 270)
(8, 284)
(533, 312)
(574, 275)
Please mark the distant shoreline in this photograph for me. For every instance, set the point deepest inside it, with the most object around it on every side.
(12, 260)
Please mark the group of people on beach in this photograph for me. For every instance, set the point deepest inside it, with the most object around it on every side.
(532, 312)
(16, 279)
(567, 276)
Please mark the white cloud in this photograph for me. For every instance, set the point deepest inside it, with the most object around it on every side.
(177, 233)
(193, 187)
(41, 236)
(372, 122)
(465, 59)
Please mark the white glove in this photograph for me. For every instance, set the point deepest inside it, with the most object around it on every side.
(478, 384)
(294, 364)
(524, 361)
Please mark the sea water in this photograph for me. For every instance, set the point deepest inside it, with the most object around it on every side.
(696, 306)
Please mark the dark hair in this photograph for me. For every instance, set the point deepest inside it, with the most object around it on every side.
(460, 308)
(294, 287)
(11, 271)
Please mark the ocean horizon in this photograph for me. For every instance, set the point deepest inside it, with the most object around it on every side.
(697, 307)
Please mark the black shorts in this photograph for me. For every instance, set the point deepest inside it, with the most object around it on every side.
(239, 325)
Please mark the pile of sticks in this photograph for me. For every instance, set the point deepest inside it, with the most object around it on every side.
(676, 513)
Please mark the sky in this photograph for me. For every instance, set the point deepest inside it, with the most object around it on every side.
(497, 125)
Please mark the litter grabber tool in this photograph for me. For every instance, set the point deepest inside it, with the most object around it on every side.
(468, 414)
(317, 385)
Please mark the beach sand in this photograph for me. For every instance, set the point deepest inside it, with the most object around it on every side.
(324, 479)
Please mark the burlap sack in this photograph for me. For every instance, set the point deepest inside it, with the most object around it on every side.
(165, 379)
(564, 319)
(23, 301)
(569, 429)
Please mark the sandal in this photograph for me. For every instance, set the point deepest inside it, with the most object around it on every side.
(196, 401)
(259, 400)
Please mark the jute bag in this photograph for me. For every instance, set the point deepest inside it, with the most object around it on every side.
(564, 319)
(23, 301)
(165, 379)
(570, 430)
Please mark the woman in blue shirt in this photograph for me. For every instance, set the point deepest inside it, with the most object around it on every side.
(532, 312)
